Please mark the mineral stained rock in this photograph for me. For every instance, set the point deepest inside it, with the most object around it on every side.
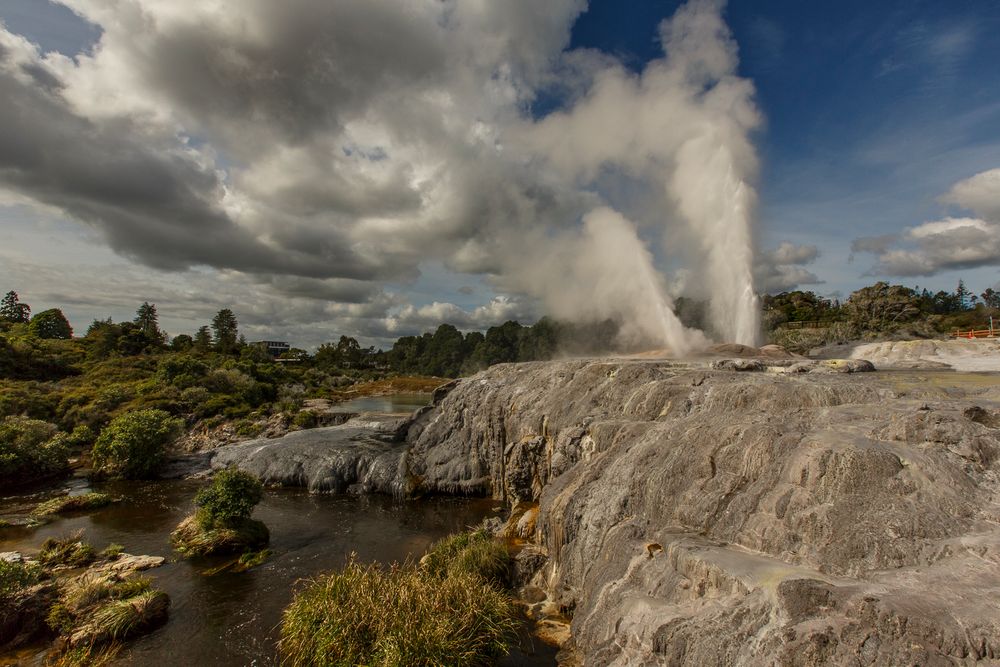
(360, 456)
(692, 516)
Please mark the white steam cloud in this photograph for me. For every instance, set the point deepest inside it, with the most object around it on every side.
(682, 125)
(325, 150)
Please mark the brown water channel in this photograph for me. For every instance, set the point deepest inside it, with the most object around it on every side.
(231, 618)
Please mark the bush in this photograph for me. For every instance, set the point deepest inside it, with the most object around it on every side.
(231, 498)
(132, 445)
(30, 449)
(305, 419)
(15, 577)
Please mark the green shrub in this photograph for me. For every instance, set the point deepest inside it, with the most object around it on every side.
(364, 615)
(305, 419)
(30, 449)
(132, 445)
(15, 577)
(231, 498)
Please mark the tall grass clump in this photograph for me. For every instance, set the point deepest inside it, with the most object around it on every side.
(473, 552)
(65, 504)
(450, 612)
(71, 551)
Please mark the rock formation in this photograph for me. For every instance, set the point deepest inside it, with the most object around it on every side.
(693, 516)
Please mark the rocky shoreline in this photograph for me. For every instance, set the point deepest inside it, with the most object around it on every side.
(698, 513)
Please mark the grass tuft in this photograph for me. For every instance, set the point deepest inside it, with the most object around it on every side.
(66, 504)
(474, 552)
(452, 610)
(71, 551)
(191, 539)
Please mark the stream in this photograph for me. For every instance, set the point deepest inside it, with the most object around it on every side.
(233, 618)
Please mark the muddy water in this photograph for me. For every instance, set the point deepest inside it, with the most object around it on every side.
(392, 403)
(229, 618)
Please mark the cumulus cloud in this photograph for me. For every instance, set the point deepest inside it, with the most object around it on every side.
(315, 151)
(783, 268)
(949, 243)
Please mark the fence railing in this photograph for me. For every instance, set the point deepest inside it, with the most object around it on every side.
(976, 333)
(807, 324)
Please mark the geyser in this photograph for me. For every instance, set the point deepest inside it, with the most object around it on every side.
(679, 130)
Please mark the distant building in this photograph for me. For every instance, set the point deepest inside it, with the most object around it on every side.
(273, 347)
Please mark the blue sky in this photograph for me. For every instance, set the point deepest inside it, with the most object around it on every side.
(872, 113)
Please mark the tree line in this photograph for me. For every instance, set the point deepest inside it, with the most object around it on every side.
(448, 352)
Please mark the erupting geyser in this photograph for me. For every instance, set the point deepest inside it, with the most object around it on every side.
(679, 130)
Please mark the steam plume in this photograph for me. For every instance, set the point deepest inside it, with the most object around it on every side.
(682, 126)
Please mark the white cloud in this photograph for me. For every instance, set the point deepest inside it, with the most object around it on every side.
(783, 268)
(949, 243)
(319, 150)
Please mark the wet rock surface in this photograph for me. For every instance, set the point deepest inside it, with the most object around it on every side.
(689, 515)
(360, 456)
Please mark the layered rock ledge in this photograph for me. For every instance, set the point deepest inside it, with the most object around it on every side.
(693, 516)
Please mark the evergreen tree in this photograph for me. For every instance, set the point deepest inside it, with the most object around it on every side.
(12, 310)
(991, 298)
(203, 339)
(148, 321)
(226, 334)
(962, 295)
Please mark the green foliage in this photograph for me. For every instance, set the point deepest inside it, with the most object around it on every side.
(224, 326)
(797, 306)
(305, 419)
(991, 298)
(229, 499)
(252, 559)
(882, 306)
(12, 310)
(132, 445)
(112, 551)
(148, 321)
(29, 450)
(96, 610)
(182, 343)
(16, 577)
(203, 339)
(50, 323)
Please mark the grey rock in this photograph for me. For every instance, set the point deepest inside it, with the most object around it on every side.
(738, 365)
(357, 457)
(691, 516)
